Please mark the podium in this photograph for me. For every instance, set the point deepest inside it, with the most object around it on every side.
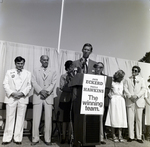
(86, 128)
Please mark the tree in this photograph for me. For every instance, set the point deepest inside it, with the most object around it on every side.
(146, 58)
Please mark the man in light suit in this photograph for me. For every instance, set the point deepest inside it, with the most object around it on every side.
(134, 88)
(85, 65)
(17, 84)
(43, 81)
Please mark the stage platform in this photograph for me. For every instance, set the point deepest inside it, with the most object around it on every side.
(109, 143)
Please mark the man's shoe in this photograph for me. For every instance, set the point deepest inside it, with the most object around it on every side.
(18, 143)
(115, 139)
(130, 140)
(140, 141)
(5, 143)
(48, 143)
(103, 142)
(121, 140)
(34, 143)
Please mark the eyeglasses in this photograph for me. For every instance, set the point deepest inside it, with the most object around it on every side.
(134, 70)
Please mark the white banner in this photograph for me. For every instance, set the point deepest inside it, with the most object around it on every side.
(93, 91)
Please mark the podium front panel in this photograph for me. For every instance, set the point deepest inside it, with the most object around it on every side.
(92, 132)
(86, 128)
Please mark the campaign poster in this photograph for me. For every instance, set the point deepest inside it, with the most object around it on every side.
(93, 91)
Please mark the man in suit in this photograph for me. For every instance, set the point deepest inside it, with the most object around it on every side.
(134, 88)
(43, 81)
(17, 84)
(99, 67)
(85, 65)
(82, 65)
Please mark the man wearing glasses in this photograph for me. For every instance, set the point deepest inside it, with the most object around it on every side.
(134, 88)
(99, 68)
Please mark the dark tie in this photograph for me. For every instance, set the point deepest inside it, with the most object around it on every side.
(134, 80)
(85, 67)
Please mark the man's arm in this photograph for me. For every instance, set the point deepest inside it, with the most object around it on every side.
(36, 86)
(28, 87)
(127, 94)
(143, 89)
(52, 84)
(6, 85)
(126, 90)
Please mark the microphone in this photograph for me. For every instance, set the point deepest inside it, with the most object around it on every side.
(75, 70)
(82, 60)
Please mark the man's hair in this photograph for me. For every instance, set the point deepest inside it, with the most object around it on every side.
(19, 59)
(68, 64)
(43, 56)
(89, 45)
(97, 64)
(139, 69)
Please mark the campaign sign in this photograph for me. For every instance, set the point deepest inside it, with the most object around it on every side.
(93, 91)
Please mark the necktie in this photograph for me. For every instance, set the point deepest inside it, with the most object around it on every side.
(44, 72)
(85, 66)
(134, 80)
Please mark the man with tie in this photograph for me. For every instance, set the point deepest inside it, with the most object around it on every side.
(17, 84)
(84, 64)
(134, 89)
(43, 81)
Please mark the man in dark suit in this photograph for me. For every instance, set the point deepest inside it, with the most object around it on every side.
(84, 64)
(99, 67)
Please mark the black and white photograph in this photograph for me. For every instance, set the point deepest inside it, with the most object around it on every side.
(75, 73)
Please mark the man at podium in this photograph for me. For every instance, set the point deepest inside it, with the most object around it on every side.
(84, 125)
(84, 64)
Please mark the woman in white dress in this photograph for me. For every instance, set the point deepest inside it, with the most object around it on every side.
(116, 116)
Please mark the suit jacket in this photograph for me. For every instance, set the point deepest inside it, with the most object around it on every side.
(108, 85)
(107, 90)
(47, 83)
(78, 65)
(138, 89)
(12, 84)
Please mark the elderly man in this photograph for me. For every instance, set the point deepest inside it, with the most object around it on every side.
(134, 88)
(43, 81)
(99, 67)
(17, 84)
